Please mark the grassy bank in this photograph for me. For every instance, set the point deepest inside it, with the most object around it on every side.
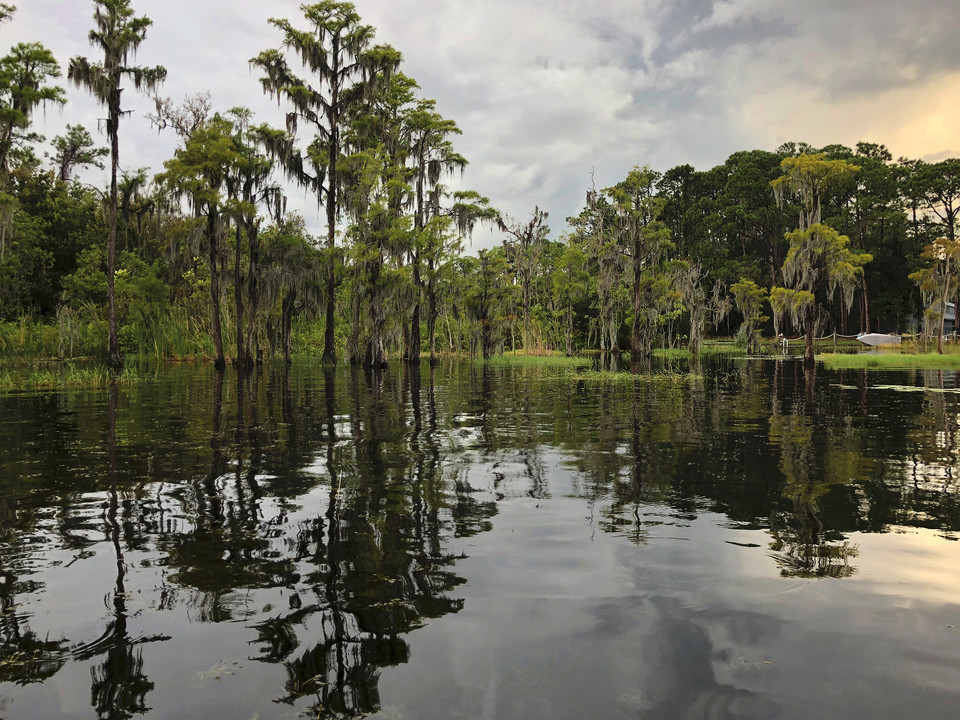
(891, 361)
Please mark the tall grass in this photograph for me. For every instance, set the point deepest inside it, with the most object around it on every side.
(175, 334)
(69, 375)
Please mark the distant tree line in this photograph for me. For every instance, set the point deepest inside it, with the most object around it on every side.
(202, 259)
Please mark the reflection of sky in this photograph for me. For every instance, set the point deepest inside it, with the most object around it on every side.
(575, 606)
(564, 621)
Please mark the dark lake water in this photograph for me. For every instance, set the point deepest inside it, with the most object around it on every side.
(466, 542)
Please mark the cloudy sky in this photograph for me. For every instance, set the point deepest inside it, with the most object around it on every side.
(548, 91)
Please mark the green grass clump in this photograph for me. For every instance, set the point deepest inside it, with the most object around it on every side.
(68, 376)
(890, 361)
(707, 348)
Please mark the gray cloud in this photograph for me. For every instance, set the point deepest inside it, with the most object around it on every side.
(545, 92)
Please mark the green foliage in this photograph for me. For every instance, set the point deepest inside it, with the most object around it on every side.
(75, 149)
(749, 298)
(24, 74)
(809, 177)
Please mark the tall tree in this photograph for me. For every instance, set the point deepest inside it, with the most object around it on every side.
(523, 248)
(118, 34)
(819, 257)
(596, 224)
(250, 185)
(645, 238)
(377, 233)
(438, 246)
(487, 298)
(199, 170)
(876, 212)
(432, 156)
(570, 281)
(819, 261)
(338, 51)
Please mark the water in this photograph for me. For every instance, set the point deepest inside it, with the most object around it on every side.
(470, 543)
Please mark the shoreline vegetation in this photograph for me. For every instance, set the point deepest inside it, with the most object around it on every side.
(39, 373)
(199, 260)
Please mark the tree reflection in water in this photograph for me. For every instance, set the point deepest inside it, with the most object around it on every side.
(119, 685)
(313, 514)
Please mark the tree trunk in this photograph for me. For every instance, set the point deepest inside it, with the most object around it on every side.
(636, 342)
(866, 307)
(413, 347)
(376, 357)
(526, 318)
(808, 356)
(213, 248)
(239, 360)
(333, 150)
(253, 289)
(329, 337)
(353, 341)
(413, 344)
(286, 310)
(570, 330)
(943, 307)
(114, 359)
(432, 321)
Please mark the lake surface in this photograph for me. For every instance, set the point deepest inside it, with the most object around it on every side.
(470, 542)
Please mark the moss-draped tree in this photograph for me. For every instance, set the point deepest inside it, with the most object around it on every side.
(345, 68)
(118, 34)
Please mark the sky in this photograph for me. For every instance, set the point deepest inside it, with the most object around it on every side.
(552, 96)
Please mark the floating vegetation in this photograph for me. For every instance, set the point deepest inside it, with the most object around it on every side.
(511, 360)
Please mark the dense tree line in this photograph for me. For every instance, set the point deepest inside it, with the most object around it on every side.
(174, 264)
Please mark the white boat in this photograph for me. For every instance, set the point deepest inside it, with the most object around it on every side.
(879, 339)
